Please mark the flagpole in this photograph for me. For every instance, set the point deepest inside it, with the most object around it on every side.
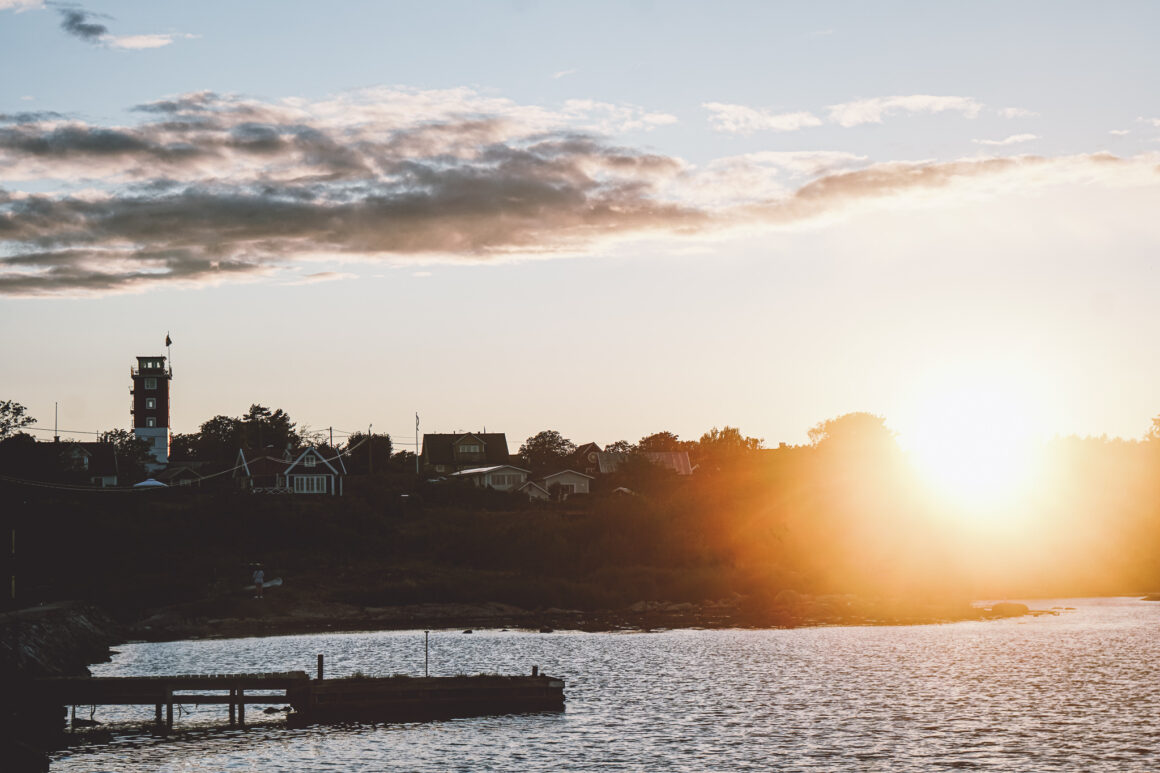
(416, 443)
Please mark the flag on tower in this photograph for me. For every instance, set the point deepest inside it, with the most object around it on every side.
(168, 340)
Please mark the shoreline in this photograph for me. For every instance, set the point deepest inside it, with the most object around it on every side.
(640, 618)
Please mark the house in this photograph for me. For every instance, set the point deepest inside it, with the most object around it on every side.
(184, 474)
(587, 459)
(565, 483)
(677, 461)
(444, 453)
(308, 473)
(501, 477)
(77, 464)
(533, 490)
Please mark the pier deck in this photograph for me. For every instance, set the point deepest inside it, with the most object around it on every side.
(398, 698)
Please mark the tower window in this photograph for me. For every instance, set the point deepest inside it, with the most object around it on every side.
(151, 403)
(150, 383)
(150, 422)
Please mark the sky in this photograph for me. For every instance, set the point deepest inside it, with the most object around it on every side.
(608, 219)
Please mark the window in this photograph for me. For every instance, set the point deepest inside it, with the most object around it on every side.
(150, 383)
(310, 461)
(150, 421)
(151, 403)
(504, 479)
(311, 484)
(470, 448)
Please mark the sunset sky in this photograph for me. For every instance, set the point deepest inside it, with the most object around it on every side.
(608, 219)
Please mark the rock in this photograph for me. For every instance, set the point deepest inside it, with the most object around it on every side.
(1010, 609)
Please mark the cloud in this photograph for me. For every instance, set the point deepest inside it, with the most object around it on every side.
(76, 22)
(20, 5)
(212, 188)
(1017, 112)
(739, 119)
(134, 42)
(320, 276)
(1012, 140)
(873, 110)
(564, 74)
(1120, 132)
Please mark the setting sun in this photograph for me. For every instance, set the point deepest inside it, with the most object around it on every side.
(975, 444)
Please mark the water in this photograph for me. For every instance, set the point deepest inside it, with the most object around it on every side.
(1076, 692)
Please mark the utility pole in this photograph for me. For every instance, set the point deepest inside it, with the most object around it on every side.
(370, 450)
(332, 437)
(416, 443)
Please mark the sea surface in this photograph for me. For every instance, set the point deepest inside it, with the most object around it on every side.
(1076, 691)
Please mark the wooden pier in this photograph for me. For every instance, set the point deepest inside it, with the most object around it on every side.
(232, 690)
(396, 698)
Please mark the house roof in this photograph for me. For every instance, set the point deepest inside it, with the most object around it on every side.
(677, 461)
(335, 469)
(438, 448)
(567, 472)
(271, 465)
(484, 470)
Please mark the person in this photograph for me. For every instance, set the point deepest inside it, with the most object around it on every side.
(259, 580)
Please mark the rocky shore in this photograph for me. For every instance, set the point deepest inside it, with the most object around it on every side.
(60, 639)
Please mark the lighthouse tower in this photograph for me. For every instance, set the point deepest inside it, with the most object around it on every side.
(150, 410)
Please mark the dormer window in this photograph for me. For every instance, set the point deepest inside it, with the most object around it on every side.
(470, 448)
(310, 461)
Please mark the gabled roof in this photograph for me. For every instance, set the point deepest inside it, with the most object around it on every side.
(566, 472)
(533, 484)
(312, 451)
(677, 461)
(485, 470)
(437, 448)
(270, 465)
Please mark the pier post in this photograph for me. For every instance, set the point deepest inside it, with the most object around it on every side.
(233, 707)
(320, 668)
(157, 718)
(168, 708)
(241, 707)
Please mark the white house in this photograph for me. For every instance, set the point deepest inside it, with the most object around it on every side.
(501, 477)
(567, 483)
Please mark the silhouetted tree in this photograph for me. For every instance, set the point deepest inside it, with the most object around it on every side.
(266, 431)
(13, 418)
(858, 432)
(183, 446)
(133, 453)
(546, 450)
(363, 450)
(660, 441)
(719, 448)
(619, 447)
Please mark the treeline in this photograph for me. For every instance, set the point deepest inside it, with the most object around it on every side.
(846, 514)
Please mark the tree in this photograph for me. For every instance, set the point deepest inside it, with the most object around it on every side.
(265, 431)
(858, 432)
(133, 453)
(619, 447)
(718, 448)
(660, 441)
(219, 439)
(367, 454)
(13, 418)
(546, 450)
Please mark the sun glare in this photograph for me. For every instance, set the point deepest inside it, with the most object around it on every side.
(976, 446)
